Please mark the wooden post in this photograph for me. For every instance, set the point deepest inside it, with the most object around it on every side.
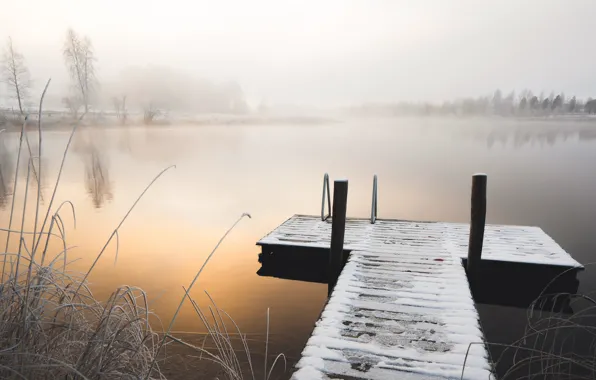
(338, 228)
(477, 222)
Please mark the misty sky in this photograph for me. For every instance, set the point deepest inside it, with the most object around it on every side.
(325, 52)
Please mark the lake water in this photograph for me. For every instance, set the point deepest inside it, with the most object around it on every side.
(539, 173)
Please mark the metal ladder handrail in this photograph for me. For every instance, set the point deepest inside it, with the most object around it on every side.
(373, 210)
(327, 190)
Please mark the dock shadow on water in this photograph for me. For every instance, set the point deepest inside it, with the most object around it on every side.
(521, 284)
(295, 263)
(556, 342)
(496, 283)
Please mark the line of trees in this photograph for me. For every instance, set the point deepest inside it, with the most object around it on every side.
(154, 91)
(522, 105)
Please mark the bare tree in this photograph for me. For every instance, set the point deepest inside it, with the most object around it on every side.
(120, 108)
(150, 113)
(16, 74)
(73, 104)
(79, 57)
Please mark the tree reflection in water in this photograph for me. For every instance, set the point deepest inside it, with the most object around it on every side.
(91, 145)
(97, 180)
(6, 173)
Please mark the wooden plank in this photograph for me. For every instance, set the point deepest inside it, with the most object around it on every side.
(501, 243)
(418, 331)
(402, 306)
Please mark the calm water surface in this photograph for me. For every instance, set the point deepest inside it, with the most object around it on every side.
(540, 173)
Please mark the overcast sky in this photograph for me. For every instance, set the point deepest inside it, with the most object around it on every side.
(325, 52)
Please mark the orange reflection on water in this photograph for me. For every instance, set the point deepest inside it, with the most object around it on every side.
(274, 172)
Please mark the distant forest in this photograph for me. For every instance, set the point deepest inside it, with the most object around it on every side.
(526, 104)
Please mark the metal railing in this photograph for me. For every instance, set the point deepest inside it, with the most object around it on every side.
(326, 190)
(373, 210)
(327, 194)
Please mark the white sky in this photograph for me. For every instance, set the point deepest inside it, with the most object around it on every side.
(325, 52)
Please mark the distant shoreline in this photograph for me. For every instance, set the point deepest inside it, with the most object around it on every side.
(57, 121)
(50, 121)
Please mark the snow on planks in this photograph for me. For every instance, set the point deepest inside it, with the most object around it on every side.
(501, 243)
(402, 306)
(386, 320)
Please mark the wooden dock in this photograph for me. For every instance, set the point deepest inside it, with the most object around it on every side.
(402, 307)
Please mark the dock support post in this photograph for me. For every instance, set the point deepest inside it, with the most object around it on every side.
(477, 222)
(338, 228)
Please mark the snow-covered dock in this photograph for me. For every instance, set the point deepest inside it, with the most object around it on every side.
(402, 307)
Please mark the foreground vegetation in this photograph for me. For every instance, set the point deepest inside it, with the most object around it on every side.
(51, 325)
(559, 341)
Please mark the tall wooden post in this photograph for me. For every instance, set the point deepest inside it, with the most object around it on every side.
(477, 222)
(338, 228)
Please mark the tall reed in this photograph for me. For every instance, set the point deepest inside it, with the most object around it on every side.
(51, 325)
(559, 340)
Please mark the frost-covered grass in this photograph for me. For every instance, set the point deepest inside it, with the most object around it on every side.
(223, 332)
(51, 325)
(559, 341)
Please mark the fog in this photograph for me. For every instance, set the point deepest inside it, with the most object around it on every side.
(190, 113)
(323, 53)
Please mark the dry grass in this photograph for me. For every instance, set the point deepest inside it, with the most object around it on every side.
(559, 341)
(51, 325)
(223, 332)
